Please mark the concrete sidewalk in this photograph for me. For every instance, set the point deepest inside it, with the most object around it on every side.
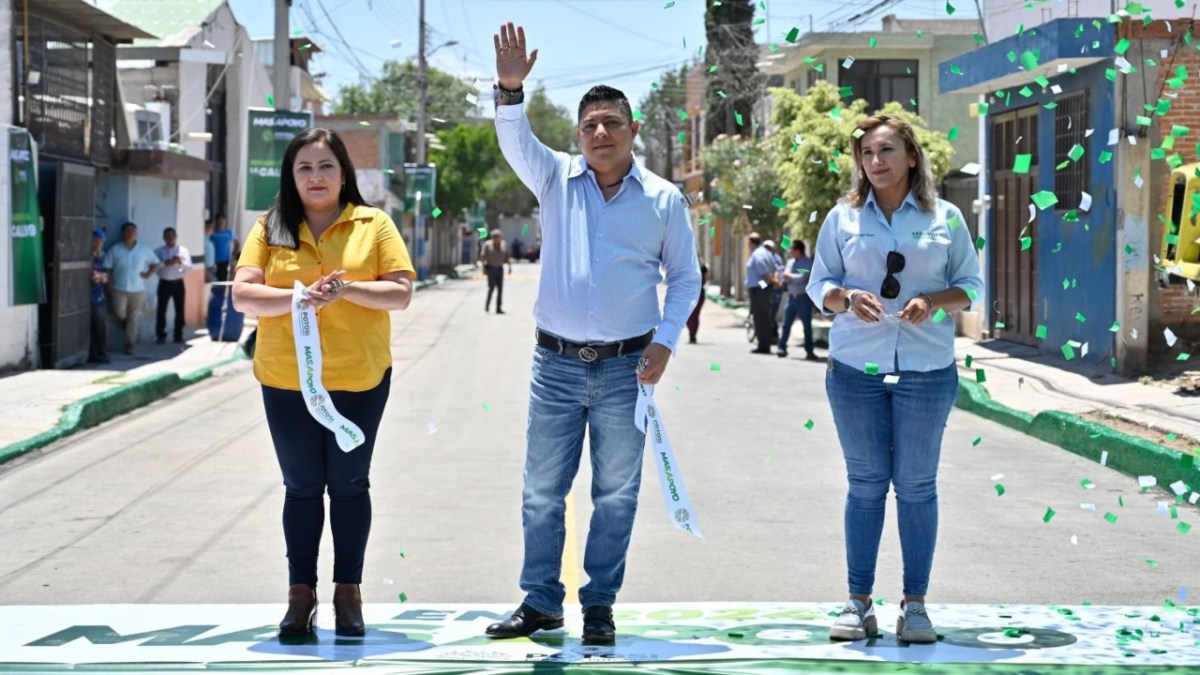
(1140, 429)
(43, 406)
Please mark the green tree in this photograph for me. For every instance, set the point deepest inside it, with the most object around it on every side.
(553, 124)
(395, 91)
(465, 166)
(743, 175)
(813, 161)
(735, 85)
(661, 122)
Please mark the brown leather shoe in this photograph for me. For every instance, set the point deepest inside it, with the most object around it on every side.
(347, 610)
(301, 613)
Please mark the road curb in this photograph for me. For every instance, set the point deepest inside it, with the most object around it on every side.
(1128, 454)
(98, 408)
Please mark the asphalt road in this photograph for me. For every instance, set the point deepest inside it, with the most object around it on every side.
(180, 502)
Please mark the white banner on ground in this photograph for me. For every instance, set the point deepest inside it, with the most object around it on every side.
(679, 507)
(408, 637)
(308, 357)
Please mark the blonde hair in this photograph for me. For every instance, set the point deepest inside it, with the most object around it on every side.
(920, 178)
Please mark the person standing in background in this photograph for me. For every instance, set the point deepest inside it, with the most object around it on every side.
(129, 264)
(225, 247)
(760, 283)
(494, 255)
(795, 276)
(176, 262)
(99, 323)
(210, 253)
(693, 322)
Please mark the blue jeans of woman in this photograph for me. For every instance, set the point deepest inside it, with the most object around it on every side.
(891, 436)
(312, 462)
(566, 397)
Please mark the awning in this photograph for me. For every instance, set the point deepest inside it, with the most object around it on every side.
(80, 14)
(1002, 64)
(159, 164)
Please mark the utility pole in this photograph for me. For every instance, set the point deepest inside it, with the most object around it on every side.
(421, 86)
(283, 56)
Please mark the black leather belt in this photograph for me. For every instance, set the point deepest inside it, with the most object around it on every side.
(594, 351)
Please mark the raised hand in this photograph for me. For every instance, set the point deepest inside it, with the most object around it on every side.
(512, 63)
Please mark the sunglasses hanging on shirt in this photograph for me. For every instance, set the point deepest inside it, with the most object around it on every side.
(891, 285)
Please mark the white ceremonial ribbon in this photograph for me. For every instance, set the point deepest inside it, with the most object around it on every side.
(308, 357)
(647, 418)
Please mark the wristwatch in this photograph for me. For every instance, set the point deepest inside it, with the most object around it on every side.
(849, 300)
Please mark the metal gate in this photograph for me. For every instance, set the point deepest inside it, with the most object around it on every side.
(68, 197)
(1014, 271)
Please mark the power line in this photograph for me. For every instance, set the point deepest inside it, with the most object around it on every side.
(614, 25)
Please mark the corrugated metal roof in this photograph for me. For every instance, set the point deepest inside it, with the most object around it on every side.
(80, 13)
(170, 20)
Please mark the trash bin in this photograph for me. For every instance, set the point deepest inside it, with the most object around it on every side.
(224, 322)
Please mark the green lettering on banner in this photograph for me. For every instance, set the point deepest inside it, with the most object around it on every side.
(25, 223)
(670, 477)
(268, 134)
(311, 370)
(105, 635)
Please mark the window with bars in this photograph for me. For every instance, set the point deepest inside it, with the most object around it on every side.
(1070, 126)
(66, 89)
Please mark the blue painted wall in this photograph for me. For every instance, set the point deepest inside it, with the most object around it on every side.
(1086, 258)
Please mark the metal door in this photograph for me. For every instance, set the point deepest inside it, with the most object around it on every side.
(69, 190)
(1014, 271)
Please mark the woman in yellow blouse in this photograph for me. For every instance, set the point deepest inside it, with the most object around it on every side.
(322, 269)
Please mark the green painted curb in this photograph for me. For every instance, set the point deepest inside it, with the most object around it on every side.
(727, 303)
(98, 408)
(1128, 454)
(974, 398)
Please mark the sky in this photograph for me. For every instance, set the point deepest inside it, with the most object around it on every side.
(623, 43)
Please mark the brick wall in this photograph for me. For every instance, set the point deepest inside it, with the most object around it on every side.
(1176, 302)
(363, 146)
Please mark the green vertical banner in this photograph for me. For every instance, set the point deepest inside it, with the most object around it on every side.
(25, 222)
(269, 133)
(423, 179)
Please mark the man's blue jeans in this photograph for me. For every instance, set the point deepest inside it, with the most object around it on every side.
(891, 434)
(798, 306)
(567, 395)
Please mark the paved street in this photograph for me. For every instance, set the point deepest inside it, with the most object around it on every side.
(180, 502)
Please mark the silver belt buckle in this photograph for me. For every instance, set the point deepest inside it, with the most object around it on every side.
(588, 354)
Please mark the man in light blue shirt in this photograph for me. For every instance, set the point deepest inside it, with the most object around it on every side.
(608, 227)
(799, 305)
(760, 284)
(129, 263)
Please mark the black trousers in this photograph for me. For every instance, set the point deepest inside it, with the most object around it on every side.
(99, 331)
(312, 463)
(495, 276)
(169, 291)
(764, 324)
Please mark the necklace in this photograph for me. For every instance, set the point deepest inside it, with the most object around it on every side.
(612, 185)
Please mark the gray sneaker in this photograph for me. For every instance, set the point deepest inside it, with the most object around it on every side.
(855, 622)
(914, 624)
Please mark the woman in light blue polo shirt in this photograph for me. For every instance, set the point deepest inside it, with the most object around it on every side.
(892, 260)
